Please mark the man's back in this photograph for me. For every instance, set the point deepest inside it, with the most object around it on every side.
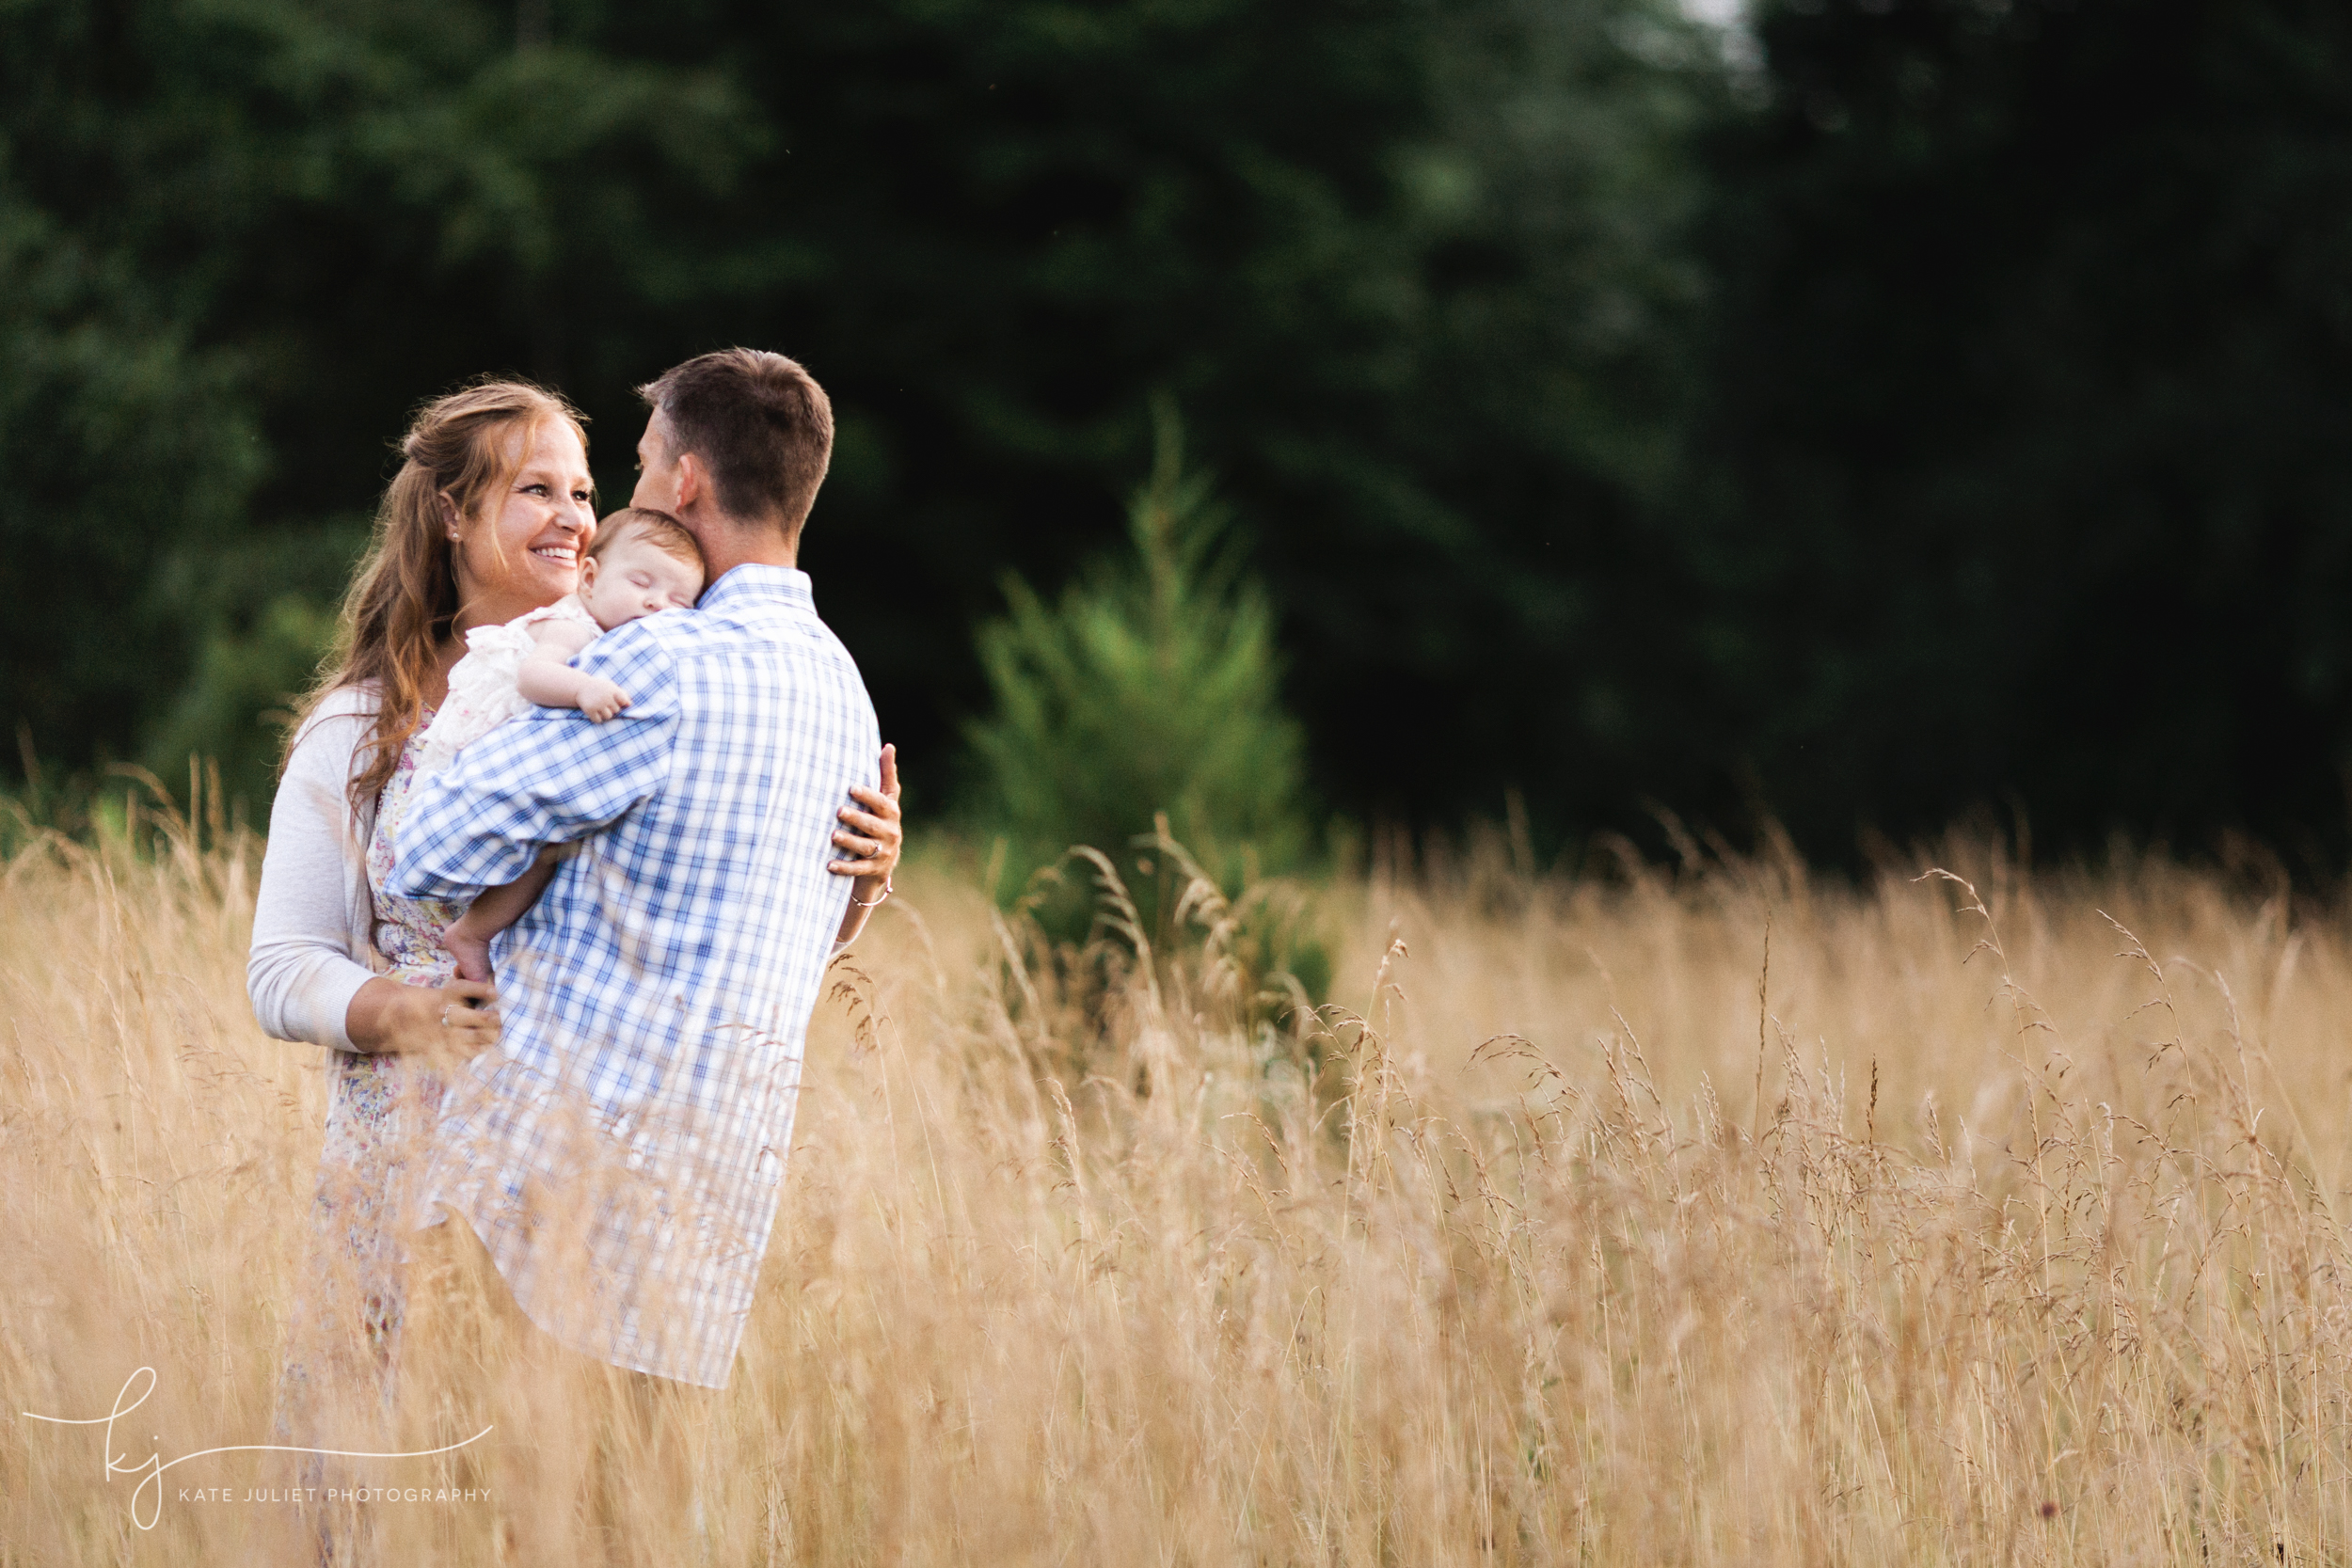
(657, 998)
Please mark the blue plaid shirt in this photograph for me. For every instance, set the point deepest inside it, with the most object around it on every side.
(620, 1153)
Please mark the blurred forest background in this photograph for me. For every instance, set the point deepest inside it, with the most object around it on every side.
(1871, 411)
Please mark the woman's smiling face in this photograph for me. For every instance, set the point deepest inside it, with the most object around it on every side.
(520, 548)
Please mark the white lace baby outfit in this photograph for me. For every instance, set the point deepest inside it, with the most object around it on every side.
(481, 694)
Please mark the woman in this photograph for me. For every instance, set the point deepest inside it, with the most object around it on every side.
(484, 523)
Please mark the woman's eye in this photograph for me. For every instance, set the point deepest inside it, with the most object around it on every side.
(534, 489)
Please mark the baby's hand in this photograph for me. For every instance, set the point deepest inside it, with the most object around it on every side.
(472, 952)
(599, 699)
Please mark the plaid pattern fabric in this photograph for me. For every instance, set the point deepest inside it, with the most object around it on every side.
(620, 1153)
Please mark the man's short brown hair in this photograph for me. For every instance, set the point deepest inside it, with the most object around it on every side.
(659, 529)
(761, 424)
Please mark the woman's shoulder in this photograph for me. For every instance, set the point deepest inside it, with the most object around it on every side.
(359, 700)
(338, 718)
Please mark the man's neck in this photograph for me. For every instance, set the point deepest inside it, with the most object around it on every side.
(729, 545)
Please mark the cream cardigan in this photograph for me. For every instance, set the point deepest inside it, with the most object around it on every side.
(314, 920)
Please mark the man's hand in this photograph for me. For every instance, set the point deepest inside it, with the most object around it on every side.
(599, 699)
(873, 836)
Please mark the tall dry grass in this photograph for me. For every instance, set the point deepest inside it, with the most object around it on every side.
(1714, 1215)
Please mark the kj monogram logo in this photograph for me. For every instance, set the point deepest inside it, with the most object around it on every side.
(147, 1498)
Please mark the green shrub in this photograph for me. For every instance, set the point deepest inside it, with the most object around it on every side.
(1151, 689)
(1143, 708)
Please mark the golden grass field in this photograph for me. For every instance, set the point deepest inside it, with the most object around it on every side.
(2029, 1249)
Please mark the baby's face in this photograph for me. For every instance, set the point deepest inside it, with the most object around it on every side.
(633, 578)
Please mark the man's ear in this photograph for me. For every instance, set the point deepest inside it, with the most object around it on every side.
(693, 484)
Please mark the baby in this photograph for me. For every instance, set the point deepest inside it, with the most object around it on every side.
(639, 562)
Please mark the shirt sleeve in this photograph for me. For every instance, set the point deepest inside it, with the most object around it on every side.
(550, 776)
(312, 906)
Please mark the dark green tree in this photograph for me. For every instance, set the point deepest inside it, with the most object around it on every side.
(2027, 444)
(1415, 272)
(236, 241)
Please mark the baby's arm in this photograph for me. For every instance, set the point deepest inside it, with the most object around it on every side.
(468, 938)
(548, 680)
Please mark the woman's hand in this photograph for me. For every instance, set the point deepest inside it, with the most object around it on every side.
(874, 835)
(451, 1023)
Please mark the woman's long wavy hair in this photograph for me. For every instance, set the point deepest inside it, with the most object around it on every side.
(403, 601)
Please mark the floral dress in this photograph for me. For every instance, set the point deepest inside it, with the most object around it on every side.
(345, 1330)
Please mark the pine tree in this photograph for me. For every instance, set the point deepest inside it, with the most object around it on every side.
(1151, 688)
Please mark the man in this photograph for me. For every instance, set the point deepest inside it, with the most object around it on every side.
(618, 1154)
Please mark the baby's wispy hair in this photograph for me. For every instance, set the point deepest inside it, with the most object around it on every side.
(663, 531)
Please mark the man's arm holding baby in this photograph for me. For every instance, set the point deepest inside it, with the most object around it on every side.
(552, 777)
(547, 676)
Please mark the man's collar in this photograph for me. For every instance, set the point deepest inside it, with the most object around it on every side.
(752, 583)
